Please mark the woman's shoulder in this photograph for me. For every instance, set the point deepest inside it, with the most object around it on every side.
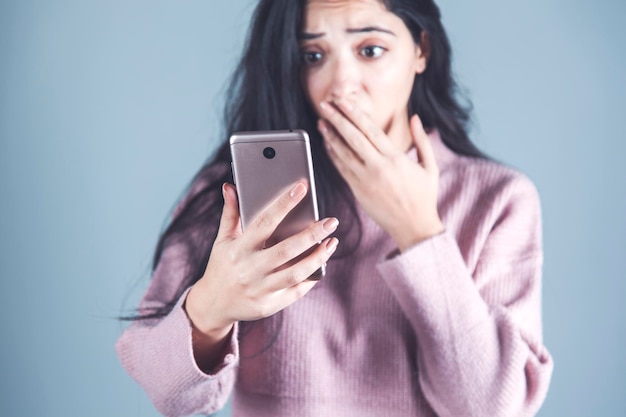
(487, 199)
(489, 175)
(481, 176)
(489, 195)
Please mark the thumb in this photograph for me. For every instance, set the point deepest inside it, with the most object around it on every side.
(230, 222)
(425, 154)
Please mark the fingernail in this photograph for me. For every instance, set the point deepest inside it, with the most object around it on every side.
(327, 146)
(330, 225)
(325, 106)
(298, 191)
(322, 126)
(331, 245)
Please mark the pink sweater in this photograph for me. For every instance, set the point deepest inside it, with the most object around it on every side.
(451, 327)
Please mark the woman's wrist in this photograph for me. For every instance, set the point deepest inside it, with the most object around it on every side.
(209, 350)
(209, 329)
(209, 342)
(409, 237)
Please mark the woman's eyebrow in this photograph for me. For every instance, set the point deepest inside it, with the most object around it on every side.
(305, 36)
(309, 36)
(370, 29)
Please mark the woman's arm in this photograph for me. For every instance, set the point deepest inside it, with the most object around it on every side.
(159, 354)
(479, 332)
(185, 361)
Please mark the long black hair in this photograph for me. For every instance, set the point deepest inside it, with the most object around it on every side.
(266, 93)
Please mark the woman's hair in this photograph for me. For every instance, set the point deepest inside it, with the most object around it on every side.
(266, 93)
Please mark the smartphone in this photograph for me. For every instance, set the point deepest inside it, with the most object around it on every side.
(264, 164)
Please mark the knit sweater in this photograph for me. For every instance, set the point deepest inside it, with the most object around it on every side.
(450, 327)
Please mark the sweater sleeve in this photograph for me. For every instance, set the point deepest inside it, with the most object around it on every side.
(480, 350)
(159, 357)
(158, 354)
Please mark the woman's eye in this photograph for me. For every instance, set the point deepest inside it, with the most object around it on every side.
(372, 51)
(311, 57)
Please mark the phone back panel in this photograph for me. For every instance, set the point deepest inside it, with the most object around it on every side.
(260, 179)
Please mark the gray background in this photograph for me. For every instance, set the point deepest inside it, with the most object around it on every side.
(108, 108)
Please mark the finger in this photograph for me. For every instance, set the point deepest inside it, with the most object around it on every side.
(284, 298)
(347, 163)
(425, 153)
(304, 268)
(353, 137)
(341, 154)
(292, 247)
(270, 217)
(296, 292)
(230, 222)
(366, 125)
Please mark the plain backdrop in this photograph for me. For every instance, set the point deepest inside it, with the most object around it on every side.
(108, 108)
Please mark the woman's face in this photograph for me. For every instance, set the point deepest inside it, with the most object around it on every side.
(358, 50)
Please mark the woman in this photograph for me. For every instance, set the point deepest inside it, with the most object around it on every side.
(431, 303)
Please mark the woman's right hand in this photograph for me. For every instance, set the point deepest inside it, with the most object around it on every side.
(242, 280)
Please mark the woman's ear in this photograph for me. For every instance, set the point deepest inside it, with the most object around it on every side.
(422, 53)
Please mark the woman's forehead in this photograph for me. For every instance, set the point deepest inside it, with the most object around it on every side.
(350, 12)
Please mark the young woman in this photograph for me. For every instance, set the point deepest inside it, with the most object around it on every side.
(431, 301)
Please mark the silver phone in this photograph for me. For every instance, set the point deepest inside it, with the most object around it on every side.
(264, 165)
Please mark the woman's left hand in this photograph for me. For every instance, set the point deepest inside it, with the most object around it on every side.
(399, 194)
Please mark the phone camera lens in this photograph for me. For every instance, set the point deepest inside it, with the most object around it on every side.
(269, 152)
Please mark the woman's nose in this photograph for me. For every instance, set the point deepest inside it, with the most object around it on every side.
(345, 79)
